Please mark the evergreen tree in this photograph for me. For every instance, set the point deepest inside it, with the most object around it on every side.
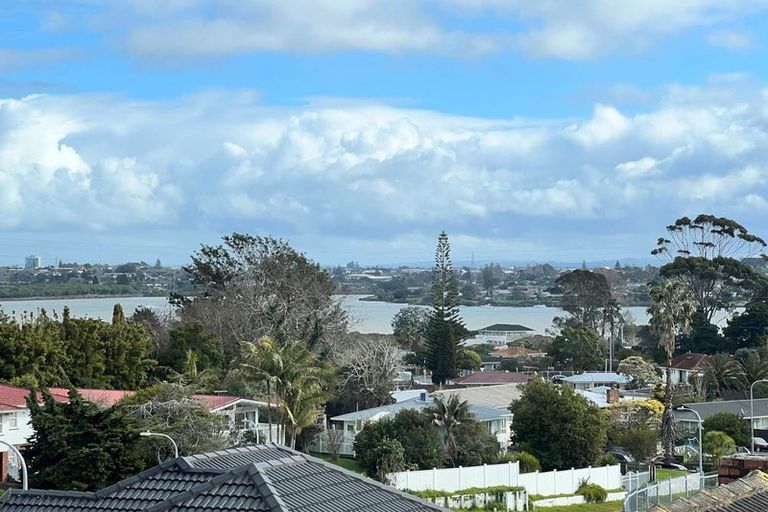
(445, 325)
(80, 446)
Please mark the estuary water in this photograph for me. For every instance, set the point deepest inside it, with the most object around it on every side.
(365, 316)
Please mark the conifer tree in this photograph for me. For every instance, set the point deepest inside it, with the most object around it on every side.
(445, 324)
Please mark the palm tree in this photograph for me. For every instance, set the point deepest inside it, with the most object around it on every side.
(671, 315)
(721, 373)
(448, 413)
(751, 369)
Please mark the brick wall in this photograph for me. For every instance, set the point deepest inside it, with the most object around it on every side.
(737, 466)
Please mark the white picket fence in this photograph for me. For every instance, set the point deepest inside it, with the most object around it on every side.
(507, 474)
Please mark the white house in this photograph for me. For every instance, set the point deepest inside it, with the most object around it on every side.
(589, 380)
(500, 334)
(686, 367)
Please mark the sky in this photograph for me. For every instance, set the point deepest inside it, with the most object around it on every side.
(555, 130)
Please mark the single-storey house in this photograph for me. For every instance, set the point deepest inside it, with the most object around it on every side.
(491, 378)
(500, 334)
(589, 380)
(739, 408)
(686, 366)
(495, 397)
(268, 478)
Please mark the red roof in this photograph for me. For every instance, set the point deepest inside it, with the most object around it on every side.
(517, 351)
(105, 397)
(690, 361)
(487, 378)
(13, 398)
(217, 401)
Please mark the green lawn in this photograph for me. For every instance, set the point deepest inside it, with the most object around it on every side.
(666, 474)
(348, 464)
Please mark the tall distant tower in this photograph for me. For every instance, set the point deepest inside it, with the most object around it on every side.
(33, 262)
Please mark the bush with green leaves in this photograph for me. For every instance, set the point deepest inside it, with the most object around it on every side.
(737, 428)
(592, 493)
(389, 458)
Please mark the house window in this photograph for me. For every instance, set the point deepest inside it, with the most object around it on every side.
(13, 420)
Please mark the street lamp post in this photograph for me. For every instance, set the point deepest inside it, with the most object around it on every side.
(701, 445)
(158, 434)
(24, 479)
(752, 411)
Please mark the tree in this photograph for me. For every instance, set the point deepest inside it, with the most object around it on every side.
(750, 328)
(409, 325)
(557, 425)
(577, 349)
(735, 427)
(257, 286)
(80, 446)
(445, 325)
(448, 413)
(718, 444)
(634, 425)
(172, 409)
(420, 440)
(490, 277)
(474, 444)
(390, 458)
(671, 314)
(751, 369)
(640, 372)
(585, 294)
(370, 364)
(705, 255)
(721, 373)
(467, 359)
(191, 337)
(703, 336)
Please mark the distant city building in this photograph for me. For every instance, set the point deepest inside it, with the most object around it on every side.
(33, 262)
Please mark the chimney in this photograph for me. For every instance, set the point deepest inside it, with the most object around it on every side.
(613, 395)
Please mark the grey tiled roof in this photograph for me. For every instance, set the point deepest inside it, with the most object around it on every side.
(257, 477)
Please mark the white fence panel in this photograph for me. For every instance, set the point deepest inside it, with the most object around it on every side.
(548, 483)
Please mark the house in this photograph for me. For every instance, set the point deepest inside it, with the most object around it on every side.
(268, 478)
(16, 429)
(497, 421)
(491, 378)
(516, 351)
(686, 366)
(494, 397)
(589, 380)
(741, 408)
(603, 396)
(500, 334)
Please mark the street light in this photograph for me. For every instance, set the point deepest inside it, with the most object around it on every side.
(701, 445)
(752, 411)
(158, 434)
(24, 480)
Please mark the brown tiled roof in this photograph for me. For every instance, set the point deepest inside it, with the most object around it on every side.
(487, 378)
(690, 361)
(748, 494)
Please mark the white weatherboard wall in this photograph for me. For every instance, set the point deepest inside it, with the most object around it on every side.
(508, 474)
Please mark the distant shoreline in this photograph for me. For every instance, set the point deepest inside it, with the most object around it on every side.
(77, 297)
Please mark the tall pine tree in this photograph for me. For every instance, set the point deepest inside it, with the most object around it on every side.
(445, 325)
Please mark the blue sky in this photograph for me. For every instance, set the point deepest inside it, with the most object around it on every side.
(551, 130)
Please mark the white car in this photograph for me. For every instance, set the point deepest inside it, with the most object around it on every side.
(761, 445)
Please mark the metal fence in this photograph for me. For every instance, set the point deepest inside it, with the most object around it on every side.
(667, 491)
(634, 480)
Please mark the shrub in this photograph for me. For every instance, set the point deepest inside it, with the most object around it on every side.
(737, 428)
(608, 460)
(592, 493)
(528, 462)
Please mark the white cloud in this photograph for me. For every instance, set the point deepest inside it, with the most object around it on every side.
(731, 39)
(573, 30)
(355, 171)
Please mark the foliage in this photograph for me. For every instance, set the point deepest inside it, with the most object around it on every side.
(671, 314)
(528, 462)
(474, 445)
(634, 425)
(751, 369)
(389, 458)
(703, 337)
(577, 349)
(172, 410)
(585, 293)
(369, 363)
(735, 427)
(592, 493)
(409, 325)
(445, 326)
(80, 446)
(75, 351)
(640, 372)
(293, 373)
(558, 426)
(193, 337)
(608, 459)
(717, 444)
(448, 413)
(257, 286)
(749, 329)
(490, 276)
(705, 255)
(467, 359)
(721, 373)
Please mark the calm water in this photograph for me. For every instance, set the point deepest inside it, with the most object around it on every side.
(365, 316)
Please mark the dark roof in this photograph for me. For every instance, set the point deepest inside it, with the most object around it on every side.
(748, 494)
(690, 361)
(741, 408)
(256, 477)
(506, 327)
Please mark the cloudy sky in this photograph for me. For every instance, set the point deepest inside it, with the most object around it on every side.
(358, 129)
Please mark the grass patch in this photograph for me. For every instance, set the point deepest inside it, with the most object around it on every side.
(348, 464)
(666, 474)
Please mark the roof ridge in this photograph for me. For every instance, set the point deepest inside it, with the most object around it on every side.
(178, 462)
(267, 490)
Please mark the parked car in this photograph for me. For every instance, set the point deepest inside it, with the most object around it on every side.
(660, 463)
(761, 445)
(620, 456)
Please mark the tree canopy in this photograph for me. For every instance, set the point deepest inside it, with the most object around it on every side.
(585, 294)
(577, 349)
